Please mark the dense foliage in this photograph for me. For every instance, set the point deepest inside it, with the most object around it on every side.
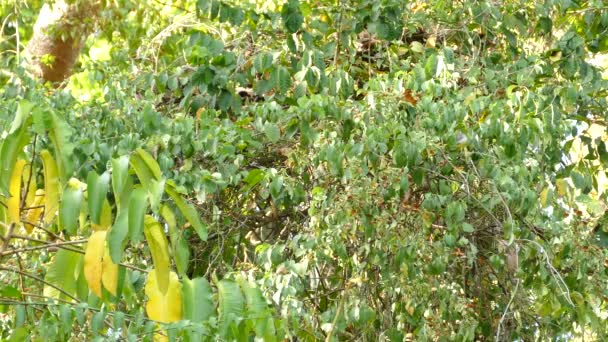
(308, 170)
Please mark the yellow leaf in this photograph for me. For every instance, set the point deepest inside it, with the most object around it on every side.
(109, 275)
(30, 196)
(545, 196)
(93, 258)
(32, 216)
(51, 186)
(167, 307)
(159, 247)
(105, 221)
(14, 202)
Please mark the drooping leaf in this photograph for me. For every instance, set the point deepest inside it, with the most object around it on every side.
(137, 210)
(93, 261)
(198, 303)
(231, 307)
(179, 246)
(63, 274)
(13, 203)
(117, 236)
(145, 167)
(155, 192)
(109, 275)
(34, 211)
(159, 248)
(13, 144)
(30, 195)
(149, 174)
(105, 221)
(165, 307)
(97, 189)
(258, 311)
(120, 176)
(69, 210)
(51, 186)
(59, 133)
(188, 211)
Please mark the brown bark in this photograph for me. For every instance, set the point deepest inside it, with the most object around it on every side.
(59, 33)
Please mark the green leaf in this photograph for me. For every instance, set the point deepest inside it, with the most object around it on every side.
(197, 300)
(155, 192)
(259, 312)
(69, 210)
(230, 308)
(254, 177)
(145, 166)
(282, 79)
(97, 189)
(12, 145)
(120, 176)
(273, 133)
(137, 211)
(292, 16)
(117, 237)
(179, 245)
(62, 273)
(188, 211)
(59, 133)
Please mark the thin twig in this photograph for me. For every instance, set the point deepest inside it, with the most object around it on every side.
(50, 245)
(504, 314)
(8, 269)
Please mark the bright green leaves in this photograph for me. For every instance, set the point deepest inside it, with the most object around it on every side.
(159, 248)
(69, 210)
(292, 16)
(97, 188)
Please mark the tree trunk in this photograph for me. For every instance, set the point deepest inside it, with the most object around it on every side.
(59, 34)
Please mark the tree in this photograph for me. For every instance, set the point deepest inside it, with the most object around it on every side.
(397, 171)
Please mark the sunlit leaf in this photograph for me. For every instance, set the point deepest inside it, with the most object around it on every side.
(34, 211)
(164, 306)
(93, 261)
(157, 242)
(14, 201)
